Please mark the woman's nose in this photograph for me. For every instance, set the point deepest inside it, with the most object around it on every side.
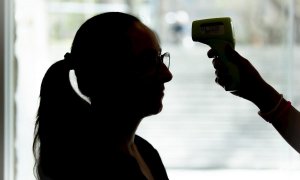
(165, 74)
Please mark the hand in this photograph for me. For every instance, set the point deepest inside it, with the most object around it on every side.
(252, 86)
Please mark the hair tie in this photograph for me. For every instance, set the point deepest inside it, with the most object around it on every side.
(68, 58)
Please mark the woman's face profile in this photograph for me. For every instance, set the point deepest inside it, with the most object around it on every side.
(143, 92)
(151, 74)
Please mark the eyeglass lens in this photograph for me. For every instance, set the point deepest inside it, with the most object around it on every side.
(166, 59)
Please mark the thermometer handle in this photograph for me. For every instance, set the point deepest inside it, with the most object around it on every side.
(234, 77)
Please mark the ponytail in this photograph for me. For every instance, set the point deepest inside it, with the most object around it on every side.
(60, 109)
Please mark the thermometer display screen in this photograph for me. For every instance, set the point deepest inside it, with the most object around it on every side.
(216, 28)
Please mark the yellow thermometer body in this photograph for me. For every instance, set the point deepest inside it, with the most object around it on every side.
(217, 32)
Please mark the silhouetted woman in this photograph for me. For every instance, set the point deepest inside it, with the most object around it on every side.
(119, 68)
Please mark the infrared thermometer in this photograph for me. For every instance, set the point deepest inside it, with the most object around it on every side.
(217, 32)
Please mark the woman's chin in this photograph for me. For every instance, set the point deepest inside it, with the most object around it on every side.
(155, 110)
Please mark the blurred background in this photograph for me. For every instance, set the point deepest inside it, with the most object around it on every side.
(203, 132)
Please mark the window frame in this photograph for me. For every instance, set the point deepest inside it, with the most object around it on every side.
(1, 90)
(6, 90)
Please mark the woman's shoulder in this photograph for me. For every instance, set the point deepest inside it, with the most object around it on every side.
(141, 142)
(145, 147)
(151, 157)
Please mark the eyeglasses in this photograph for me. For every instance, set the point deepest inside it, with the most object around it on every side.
(150, 60)
(164, 59)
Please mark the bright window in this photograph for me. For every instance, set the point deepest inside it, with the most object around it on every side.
(203, 131)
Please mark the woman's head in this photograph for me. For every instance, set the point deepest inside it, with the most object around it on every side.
(109, 52)
(100, 48)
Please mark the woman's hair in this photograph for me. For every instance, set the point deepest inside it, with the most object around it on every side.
(102, 42)
(63, 126)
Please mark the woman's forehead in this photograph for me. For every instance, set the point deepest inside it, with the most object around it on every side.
(143, 39)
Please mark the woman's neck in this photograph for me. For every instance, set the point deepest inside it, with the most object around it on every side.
(118, 129)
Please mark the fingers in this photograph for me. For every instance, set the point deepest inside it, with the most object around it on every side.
(221, 72)
(212, 53)
(221, 82)
(218, 64)
(222, 78)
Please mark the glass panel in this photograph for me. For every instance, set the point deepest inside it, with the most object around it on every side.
(201, 127)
